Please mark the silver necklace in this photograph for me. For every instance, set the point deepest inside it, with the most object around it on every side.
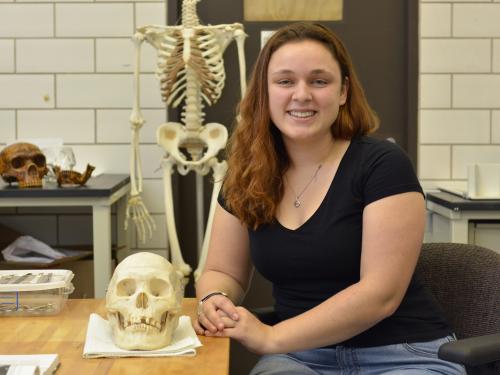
(297, 201)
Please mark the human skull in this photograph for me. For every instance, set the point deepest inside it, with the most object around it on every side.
(143, 302)
(23, 163)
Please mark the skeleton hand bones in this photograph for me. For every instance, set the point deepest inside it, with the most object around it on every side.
(137, 211)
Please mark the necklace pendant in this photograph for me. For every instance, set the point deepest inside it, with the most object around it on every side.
(297, 201)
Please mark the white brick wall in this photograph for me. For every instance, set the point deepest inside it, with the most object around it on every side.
(496, 55)
(74, 126)
(94, 20)
(7, 126)
(66, 71)
(105, 91)
(479, 20)
(459, 97)
(26, 91)
(435, 90)
(94, 90)
(54, 55)
(117, 55)
(7, 56)
(149, 13)
(447, 55)
(26, 20)
(454, 126)
(476, 91)
(434, 162)
(435, 20)
(495, 131)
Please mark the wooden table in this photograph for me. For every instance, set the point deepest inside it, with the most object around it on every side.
(64, 334)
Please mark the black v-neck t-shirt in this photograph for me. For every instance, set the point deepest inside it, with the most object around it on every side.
(310, 264)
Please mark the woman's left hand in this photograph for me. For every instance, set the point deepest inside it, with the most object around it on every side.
(250, 332)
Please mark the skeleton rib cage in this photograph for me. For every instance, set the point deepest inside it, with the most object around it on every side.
(190, 60)
(210, 73)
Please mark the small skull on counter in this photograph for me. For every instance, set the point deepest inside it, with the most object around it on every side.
(23, 163)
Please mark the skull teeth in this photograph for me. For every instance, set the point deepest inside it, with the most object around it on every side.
(142, 323)
(30, 183)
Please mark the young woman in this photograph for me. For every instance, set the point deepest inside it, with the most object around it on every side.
(332, 217)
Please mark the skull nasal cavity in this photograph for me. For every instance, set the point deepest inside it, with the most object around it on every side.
(141, 301)
(32, 170)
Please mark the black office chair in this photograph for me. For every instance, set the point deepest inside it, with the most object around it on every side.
(465, 280)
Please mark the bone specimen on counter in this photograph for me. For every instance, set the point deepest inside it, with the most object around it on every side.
(23, 163)
(144, 301)
(69, 177)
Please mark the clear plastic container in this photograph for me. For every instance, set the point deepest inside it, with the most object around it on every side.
(34, 292)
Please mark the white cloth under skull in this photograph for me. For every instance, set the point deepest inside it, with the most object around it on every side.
(143, 302)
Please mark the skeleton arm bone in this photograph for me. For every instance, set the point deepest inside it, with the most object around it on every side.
(240, 42)
(136, 121)
(136, 210)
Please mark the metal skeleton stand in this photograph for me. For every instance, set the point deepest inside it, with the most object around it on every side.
(190, 69)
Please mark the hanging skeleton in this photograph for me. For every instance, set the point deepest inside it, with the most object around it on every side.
(191, 70)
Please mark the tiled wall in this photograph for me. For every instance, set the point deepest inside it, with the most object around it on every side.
(459, 109)
(66, 71)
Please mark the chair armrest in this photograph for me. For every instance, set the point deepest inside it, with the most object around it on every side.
(473, 351)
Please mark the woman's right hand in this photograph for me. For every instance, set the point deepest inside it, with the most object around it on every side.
(215, 314)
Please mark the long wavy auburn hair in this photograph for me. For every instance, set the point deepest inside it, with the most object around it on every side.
(257, 158)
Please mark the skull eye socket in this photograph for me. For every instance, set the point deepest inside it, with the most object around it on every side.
(18, 162)
(39, 160)
(125, 288)
(159, 287)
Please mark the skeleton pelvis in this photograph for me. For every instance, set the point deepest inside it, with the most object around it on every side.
(191, 147)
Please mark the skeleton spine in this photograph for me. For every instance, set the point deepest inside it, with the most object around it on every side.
(189, 16)
(193, 107)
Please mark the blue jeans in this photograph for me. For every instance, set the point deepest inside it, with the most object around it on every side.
(405, 359)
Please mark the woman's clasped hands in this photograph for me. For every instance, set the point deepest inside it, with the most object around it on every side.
(219, 317)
